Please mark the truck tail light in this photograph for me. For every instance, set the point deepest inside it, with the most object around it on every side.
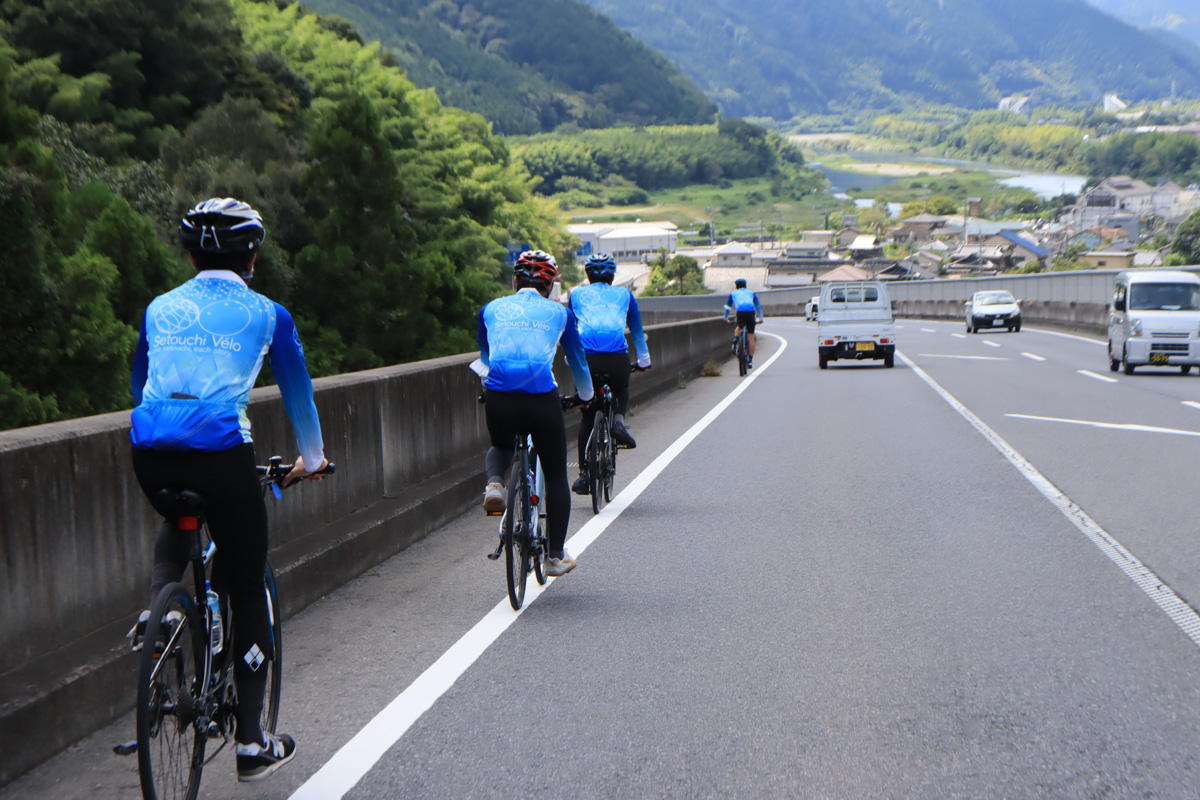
(829, 341)
(885, 340)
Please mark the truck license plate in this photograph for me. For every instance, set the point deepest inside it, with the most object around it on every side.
(864, 345)
(1158, 358)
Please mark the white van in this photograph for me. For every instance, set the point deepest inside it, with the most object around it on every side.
(1155, 320)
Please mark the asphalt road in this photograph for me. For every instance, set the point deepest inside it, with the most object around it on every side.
(857, 582)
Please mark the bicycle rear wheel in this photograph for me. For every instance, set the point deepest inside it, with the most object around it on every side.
(743, 356)
(517, 536)
(270, 715)
(170, 697)
(610, 464)
(595, 463)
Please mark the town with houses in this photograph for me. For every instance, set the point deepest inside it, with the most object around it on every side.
(1103, 229)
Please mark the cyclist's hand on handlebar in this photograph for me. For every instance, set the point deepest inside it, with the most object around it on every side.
(300, 473)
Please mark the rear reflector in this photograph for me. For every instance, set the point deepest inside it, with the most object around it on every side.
(189, 523)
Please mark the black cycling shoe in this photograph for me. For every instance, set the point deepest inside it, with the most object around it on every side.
(621, 434)
(580, 486)
(256, 762)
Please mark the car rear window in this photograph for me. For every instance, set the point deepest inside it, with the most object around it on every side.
(854, 294)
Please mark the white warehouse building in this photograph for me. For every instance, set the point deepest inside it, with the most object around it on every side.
(626, 241)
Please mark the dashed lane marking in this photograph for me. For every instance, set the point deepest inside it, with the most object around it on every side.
(1097, 376)
(965, 358)
(1155, 588)
(1116, 426)
(990, 343)
(1191, 403)
(959, 335)
(1031, 355)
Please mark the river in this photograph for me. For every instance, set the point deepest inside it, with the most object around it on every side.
(1044, 184)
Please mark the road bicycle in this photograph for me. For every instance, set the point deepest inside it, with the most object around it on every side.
(600, 454)
(741, 348)
(523, 522)
(186, 695)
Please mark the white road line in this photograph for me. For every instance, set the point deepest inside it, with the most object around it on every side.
(959, 335)
(1180, 612)
(1191, 403)
(990, 343)
(1110, 425)
(1068, 336)
(928, 330)
(1097, 376)
(965, 358)
(349, 764)
(1031, 355)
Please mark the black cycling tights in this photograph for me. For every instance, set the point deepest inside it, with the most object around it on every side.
(539, 415)
(237, 522)
(616, 368)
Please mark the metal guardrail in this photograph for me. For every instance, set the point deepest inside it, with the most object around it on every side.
(1082, 286)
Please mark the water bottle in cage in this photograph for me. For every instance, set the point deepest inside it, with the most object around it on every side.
(217, 630)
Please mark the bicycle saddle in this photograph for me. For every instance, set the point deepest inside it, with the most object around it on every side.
(174, 503)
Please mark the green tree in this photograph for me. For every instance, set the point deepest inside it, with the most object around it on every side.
(676, 276)
(1186, 244)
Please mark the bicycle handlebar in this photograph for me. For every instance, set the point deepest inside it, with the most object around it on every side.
(276, 471)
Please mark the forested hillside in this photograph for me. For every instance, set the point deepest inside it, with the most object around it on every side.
(620, 166)
(529, 65)
(387, 214)
(1181, 17)
(781, 58)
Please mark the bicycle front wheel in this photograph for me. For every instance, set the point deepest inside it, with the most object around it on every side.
(170, 697)
(270, 714)
(517, 536)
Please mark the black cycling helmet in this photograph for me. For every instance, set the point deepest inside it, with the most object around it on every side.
(222, 226)
(600, 267)
(740, 283)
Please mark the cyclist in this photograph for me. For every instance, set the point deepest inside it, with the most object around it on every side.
(603, 312)
(518, 337)
(201, 347)
(745, 303)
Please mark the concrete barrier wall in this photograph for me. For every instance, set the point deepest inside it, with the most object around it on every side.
(1087, 317)
(78, 534)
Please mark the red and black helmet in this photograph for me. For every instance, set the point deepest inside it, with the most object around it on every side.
(536, 266)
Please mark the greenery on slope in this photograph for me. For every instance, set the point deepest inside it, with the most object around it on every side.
(387, 214)
(620, 166)
(529, 65)
(780, 58)
(1092, 145)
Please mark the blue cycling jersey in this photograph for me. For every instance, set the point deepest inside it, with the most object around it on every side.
(199, 353)
(603, 312)
(743, 300)
(518, 337)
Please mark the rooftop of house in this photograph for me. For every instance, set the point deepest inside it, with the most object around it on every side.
(1028, 244)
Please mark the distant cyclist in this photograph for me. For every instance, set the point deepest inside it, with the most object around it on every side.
(603, 312)
(518, 338)
(199, 353)
(744, 303)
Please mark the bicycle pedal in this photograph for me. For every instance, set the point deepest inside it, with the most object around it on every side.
(125, 748)
(493, 556)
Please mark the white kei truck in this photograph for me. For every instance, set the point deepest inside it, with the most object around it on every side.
(855, 323)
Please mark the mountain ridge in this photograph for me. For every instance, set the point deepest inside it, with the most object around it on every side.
(782, 58)
(487, 56)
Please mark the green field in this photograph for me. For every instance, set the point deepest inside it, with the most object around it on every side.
(736, 206)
